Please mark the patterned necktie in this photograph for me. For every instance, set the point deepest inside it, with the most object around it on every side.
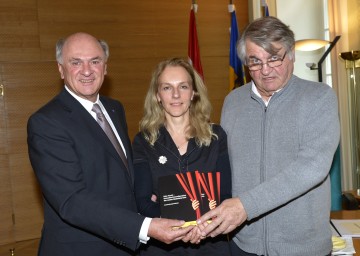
(100, 118)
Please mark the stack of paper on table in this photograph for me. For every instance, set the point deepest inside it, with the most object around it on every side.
(347, 230)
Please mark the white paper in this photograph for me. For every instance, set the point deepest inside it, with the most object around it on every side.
(347, 227)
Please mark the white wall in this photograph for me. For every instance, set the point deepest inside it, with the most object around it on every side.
(305, 18)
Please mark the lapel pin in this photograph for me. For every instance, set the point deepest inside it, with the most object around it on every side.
(162, 159)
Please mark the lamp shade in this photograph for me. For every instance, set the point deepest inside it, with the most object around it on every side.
(353, 55)
(310, 44)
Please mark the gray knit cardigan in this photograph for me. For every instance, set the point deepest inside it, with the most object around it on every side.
(280, 158)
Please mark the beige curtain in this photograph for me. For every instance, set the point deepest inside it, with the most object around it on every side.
(344, 18)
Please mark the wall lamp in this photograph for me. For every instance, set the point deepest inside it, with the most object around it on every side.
(312, 45)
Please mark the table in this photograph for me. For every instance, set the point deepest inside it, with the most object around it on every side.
(344, 215)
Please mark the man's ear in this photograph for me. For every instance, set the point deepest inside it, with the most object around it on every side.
(60, 67)
(105, 73)
(293, 54)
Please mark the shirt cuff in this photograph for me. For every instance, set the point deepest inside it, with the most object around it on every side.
(143, 235)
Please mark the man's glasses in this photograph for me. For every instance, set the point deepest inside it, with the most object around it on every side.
(272, 63)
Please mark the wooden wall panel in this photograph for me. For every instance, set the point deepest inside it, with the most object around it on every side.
(28, 85)
(6, 208)
(19, 36)
(27, 199)
(7, 234)
(129, 85)
(217, 84)
(23, 248)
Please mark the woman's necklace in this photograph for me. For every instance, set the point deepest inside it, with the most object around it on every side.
(177, 137)
(179, 146)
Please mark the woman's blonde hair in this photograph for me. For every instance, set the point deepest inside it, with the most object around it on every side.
(200, 108)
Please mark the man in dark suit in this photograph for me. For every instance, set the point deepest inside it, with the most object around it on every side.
(89, 204)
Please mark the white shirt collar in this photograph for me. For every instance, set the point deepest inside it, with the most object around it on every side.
(87, 104)
(255, 90)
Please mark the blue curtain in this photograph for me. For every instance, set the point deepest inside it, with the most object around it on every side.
(335, 178)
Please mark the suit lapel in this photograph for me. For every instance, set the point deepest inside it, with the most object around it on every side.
(78, 112)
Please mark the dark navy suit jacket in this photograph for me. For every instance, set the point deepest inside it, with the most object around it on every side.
(89, 204)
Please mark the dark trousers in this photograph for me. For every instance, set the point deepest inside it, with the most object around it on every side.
(218, 246)
(236, 251)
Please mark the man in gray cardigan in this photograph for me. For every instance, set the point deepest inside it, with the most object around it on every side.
(282, 135)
